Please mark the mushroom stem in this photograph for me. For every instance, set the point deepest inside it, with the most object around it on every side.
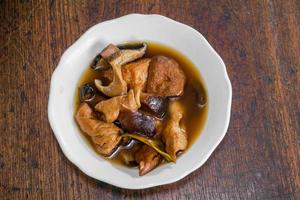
(118, 85)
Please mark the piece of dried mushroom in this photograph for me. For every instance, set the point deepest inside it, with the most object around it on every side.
(137, 122)
(154, 104)
(90, 95)
(118, 86)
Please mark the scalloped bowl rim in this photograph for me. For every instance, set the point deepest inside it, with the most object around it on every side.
(134, 182)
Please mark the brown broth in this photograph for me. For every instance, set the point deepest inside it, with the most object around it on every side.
(194, 117)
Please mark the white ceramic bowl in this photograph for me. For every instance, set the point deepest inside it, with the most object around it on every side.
(128, 28)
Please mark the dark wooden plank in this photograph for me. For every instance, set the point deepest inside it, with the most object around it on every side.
(259, 41)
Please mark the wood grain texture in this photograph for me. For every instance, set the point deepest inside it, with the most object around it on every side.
(259, 41)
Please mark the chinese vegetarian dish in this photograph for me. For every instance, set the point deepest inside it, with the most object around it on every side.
(141, 104)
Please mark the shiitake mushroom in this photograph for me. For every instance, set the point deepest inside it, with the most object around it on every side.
(129, 51)
(90, 95)
(155, 105)
(132, 45)
(137, 122)
(100, 61)
(199, 92)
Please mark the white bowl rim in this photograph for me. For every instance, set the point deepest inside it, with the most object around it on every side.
(69, 155)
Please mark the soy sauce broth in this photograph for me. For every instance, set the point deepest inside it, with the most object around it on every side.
(194, 117)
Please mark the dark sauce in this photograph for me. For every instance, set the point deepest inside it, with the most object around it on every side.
(194, 116)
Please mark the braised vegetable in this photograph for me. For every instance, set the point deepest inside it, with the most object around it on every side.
(137, 122)
(90, 95)
(157, 145)
(156, 105)
(199, 92)
(100, 62)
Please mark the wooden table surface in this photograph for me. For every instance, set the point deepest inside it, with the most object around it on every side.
(259, 41)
